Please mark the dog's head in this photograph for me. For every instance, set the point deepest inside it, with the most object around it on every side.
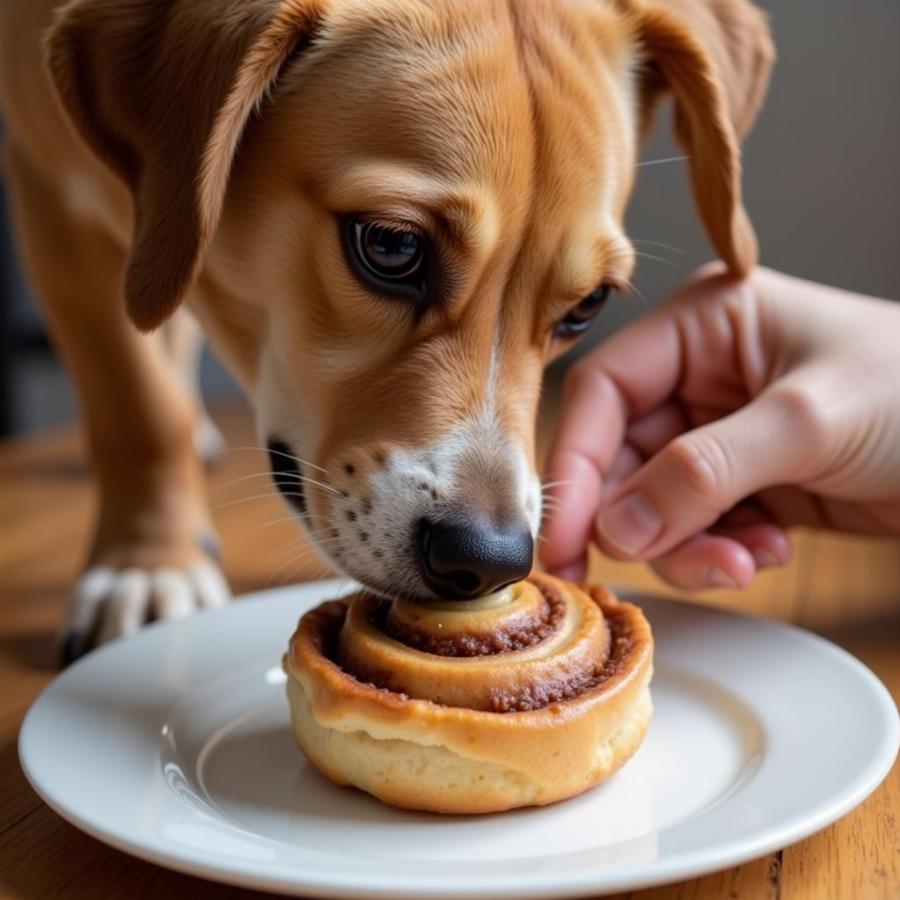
(391, 214)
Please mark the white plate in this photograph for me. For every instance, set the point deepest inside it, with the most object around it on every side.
(175, 746)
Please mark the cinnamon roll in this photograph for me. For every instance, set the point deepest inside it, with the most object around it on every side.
(521, 698)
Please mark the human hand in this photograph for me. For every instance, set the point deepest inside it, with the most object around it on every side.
(696, 435)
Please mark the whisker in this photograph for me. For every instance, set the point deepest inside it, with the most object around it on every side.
(302, 545)
(296, 560)
(291, 456)
(273, 494)
(296, 476)
(289, 552)
(632, 288)
(266, 474)
(291, 546)
(307, 521)
(322, 485)
(658, 244)
(280, 519)
(328, 568)
(659, 259)
(308, 533)
(659, 162)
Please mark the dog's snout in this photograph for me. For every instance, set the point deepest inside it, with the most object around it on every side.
(468, 560)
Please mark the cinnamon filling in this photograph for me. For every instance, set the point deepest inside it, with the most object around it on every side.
(517, 633)
(564, 681)
(562, 689)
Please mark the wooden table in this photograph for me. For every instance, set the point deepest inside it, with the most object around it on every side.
(848, 589)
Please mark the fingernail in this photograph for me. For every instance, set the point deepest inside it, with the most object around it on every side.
(717, 577)
(631, 524)
(765, 559)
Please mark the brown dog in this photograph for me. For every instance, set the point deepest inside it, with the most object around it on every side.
(388, 216)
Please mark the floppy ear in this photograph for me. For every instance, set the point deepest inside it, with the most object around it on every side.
(715, 57)
(161, 91)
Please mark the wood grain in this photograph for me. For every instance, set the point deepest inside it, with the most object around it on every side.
(848, 589)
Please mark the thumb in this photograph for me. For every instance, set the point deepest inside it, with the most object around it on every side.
(701, 474)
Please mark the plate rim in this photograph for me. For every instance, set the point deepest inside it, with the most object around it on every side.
(662, 870)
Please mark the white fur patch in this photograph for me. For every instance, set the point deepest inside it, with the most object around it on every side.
(475, 470)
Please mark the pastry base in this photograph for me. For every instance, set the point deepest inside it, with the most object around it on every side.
(418, 754)
(435, 779)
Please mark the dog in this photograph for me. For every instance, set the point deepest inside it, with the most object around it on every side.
(388, 216)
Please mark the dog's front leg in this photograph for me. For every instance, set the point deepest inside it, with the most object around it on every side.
(182, 342)
(150, 555)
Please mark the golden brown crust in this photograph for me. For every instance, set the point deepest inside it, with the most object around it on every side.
(414, 752)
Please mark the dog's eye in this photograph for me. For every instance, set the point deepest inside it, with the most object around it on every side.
(390, 254)
(581, 316)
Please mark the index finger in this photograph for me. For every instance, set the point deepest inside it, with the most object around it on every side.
(629, 375)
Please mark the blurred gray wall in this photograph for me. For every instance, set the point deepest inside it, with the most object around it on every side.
(822, 179)
(821, 166)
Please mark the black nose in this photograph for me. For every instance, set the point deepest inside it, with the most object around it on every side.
(461, 562)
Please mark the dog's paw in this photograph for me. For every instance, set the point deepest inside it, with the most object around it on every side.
(108, 603)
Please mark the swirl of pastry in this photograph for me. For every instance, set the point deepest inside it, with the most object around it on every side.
(521, 649)
(523, 697)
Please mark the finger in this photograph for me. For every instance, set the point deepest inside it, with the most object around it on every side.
(701, 562)
(792, 505)
(706, 561)
(561, 521)
(626, 463)
(615, 384)
(603, 392)
(651, 432)
(573, 503)
(125, 609)
(575, 571)
(768, 544)
(627, 377)
(693, 480)
(747, 512)
(715, 559)
(752, 525)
